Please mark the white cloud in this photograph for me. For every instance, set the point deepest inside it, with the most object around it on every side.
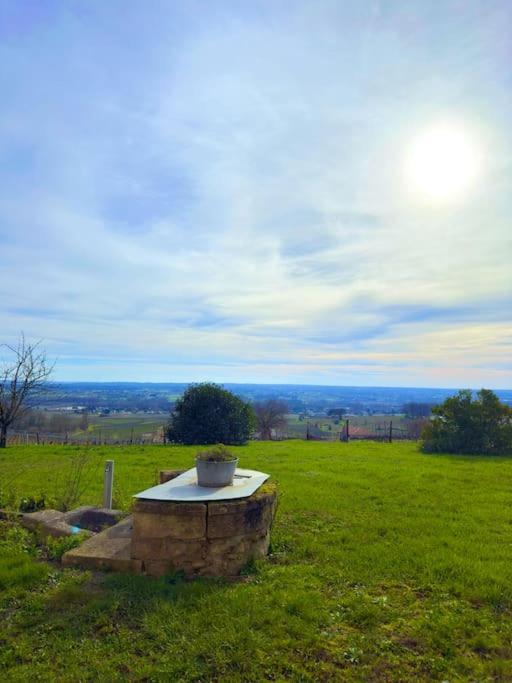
(236, 207)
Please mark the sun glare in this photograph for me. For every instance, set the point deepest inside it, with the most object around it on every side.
(442, 163)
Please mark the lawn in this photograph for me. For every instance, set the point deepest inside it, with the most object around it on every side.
(386, 565)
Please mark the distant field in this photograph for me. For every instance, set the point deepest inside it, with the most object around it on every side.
(386, 565)
(123, 426)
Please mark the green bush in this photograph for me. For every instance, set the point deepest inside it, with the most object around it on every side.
(207, 413)
(463, 424)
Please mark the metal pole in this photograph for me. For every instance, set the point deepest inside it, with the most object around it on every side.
(108, 482)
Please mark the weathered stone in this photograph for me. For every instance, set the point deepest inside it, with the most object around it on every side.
(157, 568)
(167, 475)
(179, 524)
(168, 548)
(158, 507)
(253, 516)
(110, 549)
(47, 523)
(207, 539)
(227, 556)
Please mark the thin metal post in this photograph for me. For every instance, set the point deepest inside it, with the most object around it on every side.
(108, 482)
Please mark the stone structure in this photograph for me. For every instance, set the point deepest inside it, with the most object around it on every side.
(54, 523)
(214, 538)
(46, 523)
(108, 550)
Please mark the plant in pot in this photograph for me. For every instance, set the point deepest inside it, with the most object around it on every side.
(215, 467)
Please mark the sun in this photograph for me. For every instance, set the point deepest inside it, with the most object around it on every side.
(442, 163)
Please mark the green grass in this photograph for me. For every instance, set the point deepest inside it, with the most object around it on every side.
(386, 565)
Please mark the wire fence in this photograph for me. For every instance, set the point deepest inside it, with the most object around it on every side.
(347, 430)
(43, 438)
(353, 431)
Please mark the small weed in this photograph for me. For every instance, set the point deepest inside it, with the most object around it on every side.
(56, 547)
(32, 504)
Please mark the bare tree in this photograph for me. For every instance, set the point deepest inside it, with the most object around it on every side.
(270, 415)
(21, 378)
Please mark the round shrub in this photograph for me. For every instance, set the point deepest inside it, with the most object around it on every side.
(207, 413)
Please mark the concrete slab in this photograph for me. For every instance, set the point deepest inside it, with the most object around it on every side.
(184, 488)
(48, 523)
(110, 549)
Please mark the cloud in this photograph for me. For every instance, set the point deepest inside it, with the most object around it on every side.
(219, 193)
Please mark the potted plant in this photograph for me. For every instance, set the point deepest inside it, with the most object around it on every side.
(215, 467)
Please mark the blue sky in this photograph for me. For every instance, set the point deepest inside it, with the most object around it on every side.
(216, 190)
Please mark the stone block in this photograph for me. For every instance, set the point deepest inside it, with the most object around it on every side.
(176, 551)
(47, 523)
(244, 517)
(158, 507)
(188, 522)
(157, 568)
(187, 565)
(108, 550)
(227, 556)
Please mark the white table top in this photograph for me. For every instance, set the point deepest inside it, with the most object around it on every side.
(184, 488)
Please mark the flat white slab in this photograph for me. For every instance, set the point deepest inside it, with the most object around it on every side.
(185, 488)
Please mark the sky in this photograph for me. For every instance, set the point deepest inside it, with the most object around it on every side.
(224, 190)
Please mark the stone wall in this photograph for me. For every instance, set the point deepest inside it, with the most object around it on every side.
(215, 538)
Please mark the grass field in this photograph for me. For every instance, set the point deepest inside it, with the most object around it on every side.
(122, 427)
(386, 565)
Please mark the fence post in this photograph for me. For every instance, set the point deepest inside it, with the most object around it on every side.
(107, 484)
(390, 431)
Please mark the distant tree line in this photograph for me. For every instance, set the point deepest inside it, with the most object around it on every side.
(415, 410)
(50, 422)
